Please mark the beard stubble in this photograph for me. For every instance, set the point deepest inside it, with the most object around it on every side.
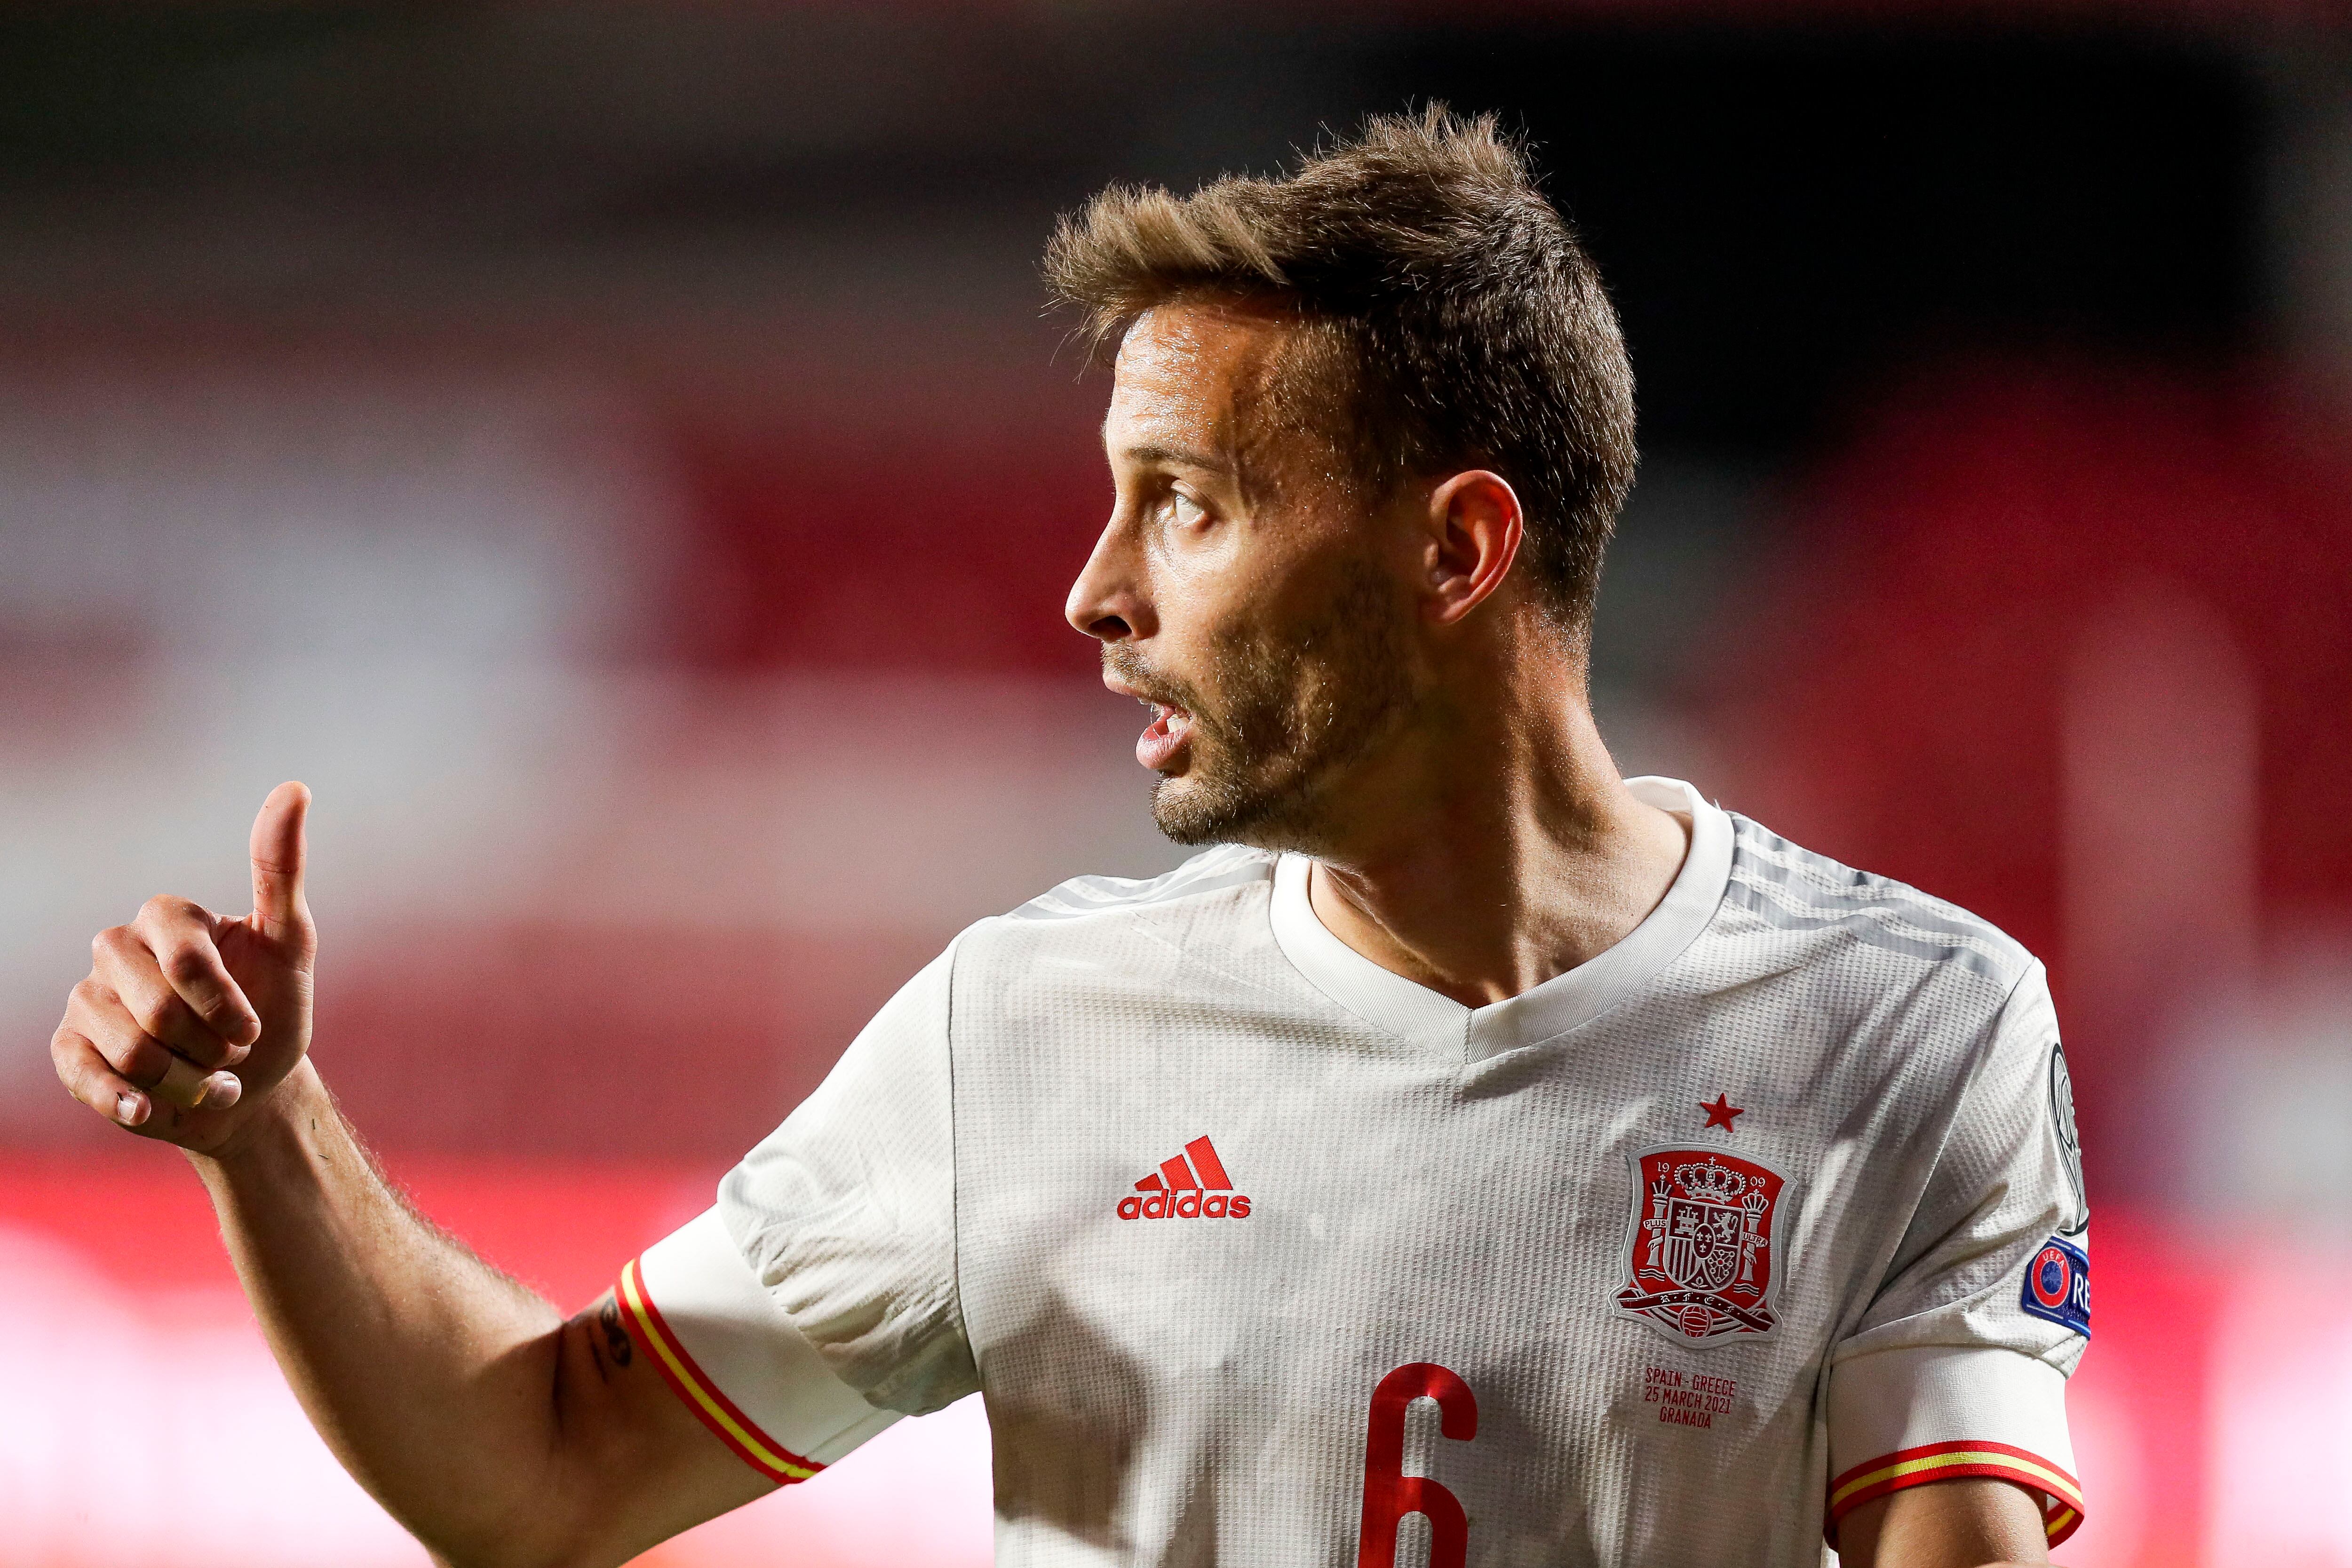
(1281, 717)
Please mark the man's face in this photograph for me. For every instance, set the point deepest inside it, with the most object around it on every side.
(1242, 587)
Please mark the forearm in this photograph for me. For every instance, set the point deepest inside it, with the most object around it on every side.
(502, 1435)
(1974, 1522)
(433, 1377)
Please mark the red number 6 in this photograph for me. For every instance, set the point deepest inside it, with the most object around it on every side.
(1389, 1494)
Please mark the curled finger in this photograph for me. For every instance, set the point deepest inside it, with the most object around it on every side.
(89, 1078)
(179, 934)
(145, 1063)
(127, 966)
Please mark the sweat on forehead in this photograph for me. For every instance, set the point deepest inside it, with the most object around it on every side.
(1271, 388)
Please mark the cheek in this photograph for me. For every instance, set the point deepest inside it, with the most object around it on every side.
(1204, 560)
(1202, 599)
(1246, 577)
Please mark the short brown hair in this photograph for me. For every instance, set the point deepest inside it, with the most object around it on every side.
(1474, 328)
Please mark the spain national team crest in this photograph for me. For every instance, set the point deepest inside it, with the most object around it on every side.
(1700, 1247)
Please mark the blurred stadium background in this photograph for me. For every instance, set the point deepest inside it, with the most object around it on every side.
(616, 456)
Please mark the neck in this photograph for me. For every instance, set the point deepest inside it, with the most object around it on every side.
(1503, 849)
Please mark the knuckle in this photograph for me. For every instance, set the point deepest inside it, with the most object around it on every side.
(111, 942)
(186, 962)
(111, 1032)
(74, 1072)
(165, 912)
(139, 1060)
(161, 1017)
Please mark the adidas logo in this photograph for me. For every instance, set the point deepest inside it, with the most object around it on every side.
(1177, 1190)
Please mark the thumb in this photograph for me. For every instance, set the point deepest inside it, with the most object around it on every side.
(277, 854)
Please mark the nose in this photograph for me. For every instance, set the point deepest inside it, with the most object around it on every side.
(1107, 601)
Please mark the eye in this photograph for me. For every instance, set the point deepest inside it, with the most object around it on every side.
(1184, 512)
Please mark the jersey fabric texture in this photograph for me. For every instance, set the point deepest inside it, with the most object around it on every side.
(1261, 1254)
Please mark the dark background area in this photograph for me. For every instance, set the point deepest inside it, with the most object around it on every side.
(1784, 212)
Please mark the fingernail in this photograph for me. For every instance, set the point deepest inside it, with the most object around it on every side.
(131, 1109)
(220, 1092)
(236, 1053)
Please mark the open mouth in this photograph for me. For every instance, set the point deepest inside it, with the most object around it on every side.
(1163, 744)
(1164, 739)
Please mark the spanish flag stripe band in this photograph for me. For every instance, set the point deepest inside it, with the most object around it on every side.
(1863, 1475)
(2062, 1510)
(702, 1396)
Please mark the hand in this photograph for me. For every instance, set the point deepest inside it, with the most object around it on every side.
(188, 1020)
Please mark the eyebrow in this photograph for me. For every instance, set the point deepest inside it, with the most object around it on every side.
(1176, 457)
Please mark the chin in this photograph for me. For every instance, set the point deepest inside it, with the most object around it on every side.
(1195, 810)
(1186, 814)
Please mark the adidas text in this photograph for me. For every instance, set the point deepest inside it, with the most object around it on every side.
(1192, 1186)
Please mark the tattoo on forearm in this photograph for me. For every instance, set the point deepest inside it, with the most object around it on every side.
(616, 1338)
(608, 1340)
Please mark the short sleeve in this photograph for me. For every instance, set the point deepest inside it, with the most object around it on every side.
(737, 1362)
(817, 1302)
(1958, 1367)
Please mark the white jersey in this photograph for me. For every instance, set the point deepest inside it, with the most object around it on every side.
(1767, 1210)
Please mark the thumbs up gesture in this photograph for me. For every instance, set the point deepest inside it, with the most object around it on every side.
(188, 1019)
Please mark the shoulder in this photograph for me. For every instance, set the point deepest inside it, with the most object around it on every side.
(1886, 926)
(1185, 945)
(1923, 1005)
(1092, 934)
(1216, 871)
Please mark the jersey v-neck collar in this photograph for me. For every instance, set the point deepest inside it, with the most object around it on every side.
(1414, 1013)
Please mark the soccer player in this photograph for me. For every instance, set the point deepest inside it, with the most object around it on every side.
(1474, 1157)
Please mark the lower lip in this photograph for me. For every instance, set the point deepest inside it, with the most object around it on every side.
(1163, 740)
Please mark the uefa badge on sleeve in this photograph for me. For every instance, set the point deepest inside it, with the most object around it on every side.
(2058, 1286)
(1699, 1250)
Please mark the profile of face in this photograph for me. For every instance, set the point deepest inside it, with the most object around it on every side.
(1244, 588)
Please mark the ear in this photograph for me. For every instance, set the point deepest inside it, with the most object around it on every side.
(1475, 529)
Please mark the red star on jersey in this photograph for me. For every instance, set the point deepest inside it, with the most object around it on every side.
(1721, 1113)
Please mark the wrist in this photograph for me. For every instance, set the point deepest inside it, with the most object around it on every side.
(281, 1123)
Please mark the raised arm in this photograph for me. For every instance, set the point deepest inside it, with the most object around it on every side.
(495, 1430)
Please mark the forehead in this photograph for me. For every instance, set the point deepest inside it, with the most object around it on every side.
(1193, 371)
